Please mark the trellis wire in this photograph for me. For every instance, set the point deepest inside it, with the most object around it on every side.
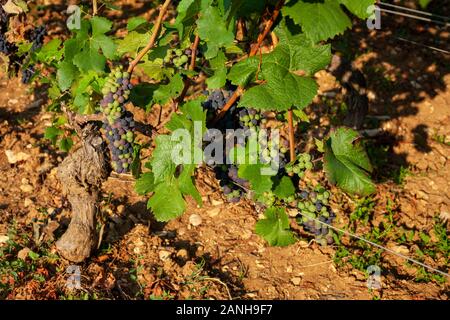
(378, 246)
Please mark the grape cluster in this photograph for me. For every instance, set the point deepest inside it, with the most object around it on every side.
(271, 150)
(232, 186)
(177, 57)
(313, 205)
(215, 102)
(299, 167)
(6, 47)
(119, 123)
(36, 36)
(250, 119)
(27, 74)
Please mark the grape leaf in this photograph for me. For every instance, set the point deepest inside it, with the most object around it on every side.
(319, 20)
(161, 163)
(282, 91)
(186, 183)
(213, 30)
(284, 87)
(359, 7)
(50, 52)
(167, 201)
(275, 228)
(219, 78)
(187, 13)
(284, 188)
(65, 75)
(165, 92)
(324, 19)
(145, 183)
(132, 42)
(260, 183)
(346, 162)
(244, 71)
(135, 23)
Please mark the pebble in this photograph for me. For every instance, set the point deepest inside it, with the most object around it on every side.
(164, 255)
(216, 202)
(214, 212)
(16, 157)
(23, 254)
(28, 188)
(183, 254)
(195, 220)
(3, 239)
(120, 209)
(296, 281)
(27, 202)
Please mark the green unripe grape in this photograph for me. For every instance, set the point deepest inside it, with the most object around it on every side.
(105, 90)
(308, 165)
(125, 165)
(121, 148)
(126, 155)
(307, 156)
(120, 156)
(290, 199)
(296, 170)
(167, 59)
(114, 89)
(126, 75)
(301, 165)
(325, 201)
(312, 208)
(283, 150)
(320, 196)
(324, 212)
(289, 169)
(130, 140)
(326, 194)
(184, 59)
(178, 52)
(129, 134)
(301, 175)
(301, 205)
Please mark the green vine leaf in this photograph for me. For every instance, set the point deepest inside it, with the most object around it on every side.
(216, 37)
(285, 188)
(145, 184)
(165, 92)
(167, 202)
(275, 228)
(322, 20)
(346, 162)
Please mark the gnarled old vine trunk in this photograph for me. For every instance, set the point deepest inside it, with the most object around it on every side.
(82, 174)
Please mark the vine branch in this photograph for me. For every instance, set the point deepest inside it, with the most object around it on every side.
(253, 52)
(94, 7)
(291, 135)
(153, 38)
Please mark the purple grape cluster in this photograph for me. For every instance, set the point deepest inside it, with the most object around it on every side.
(6, 47)
(232, 186)
(119, 123)
(314, 206)
(36, 36)
(27, 74)
(215, 102)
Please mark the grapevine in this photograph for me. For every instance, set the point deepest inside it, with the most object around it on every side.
(213, 80)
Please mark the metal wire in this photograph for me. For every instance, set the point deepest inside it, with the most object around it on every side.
(378, 246)
(414, 10)
(445, 24)
(423, 45)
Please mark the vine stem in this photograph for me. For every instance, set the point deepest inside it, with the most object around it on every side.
(253, 52)
(291, 135)
(187, 83)
(94, 7)
(153, 38)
